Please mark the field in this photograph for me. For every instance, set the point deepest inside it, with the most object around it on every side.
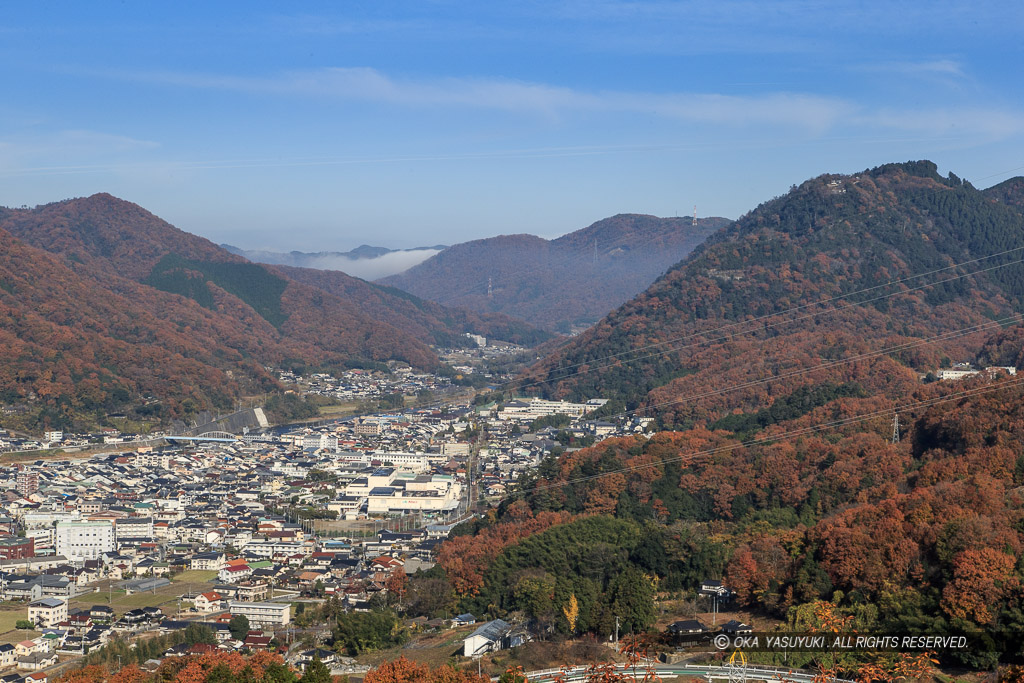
(122, 603)
(338, 409)
(434, 649)
(27, 456)
(165, 597)
(194, 576)
(8, 617)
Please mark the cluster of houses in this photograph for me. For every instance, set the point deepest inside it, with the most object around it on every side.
(120, 523)
(367, 384)
(238, 510)
(57, 438)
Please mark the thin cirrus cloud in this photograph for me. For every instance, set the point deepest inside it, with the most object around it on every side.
(992, 124)
(67, 146)
(933, 67)
(812, 112)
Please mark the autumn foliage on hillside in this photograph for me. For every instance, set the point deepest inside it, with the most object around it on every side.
(924, 535)
(102, 303)
(465, 557)
(843, 280)
(428, 321)
(402, 670)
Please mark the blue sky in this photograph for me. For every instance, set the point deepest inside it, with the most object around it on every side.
(322, 126)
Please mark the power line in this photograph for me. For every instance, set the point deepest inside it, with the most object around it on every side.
(514, 384)
(577, 368)
(764, 318)
(945, 336)
(786, 436)
(865, 211)
(563, 261)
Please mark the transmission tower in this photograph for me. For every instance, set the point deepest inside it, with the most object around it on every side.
(736, 667)
(895, 427)
(489, 292)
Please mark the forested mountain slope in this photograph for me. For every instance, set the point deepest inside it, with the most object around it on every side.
(803, 293)
(557, 284)
(105, 303)
(426, 320)
(917, 537)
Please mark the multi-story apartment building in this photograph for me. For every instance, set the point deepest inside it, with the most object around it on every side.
(80, 541)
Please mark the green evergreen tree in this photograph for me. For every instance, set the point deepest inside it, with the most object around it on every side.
(632, 600)
(316, 672)
(199, 634)
(239, 626)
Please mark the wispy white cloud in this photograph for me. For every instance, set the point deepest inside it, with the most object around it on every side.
(90, 140)
(67, 150)
(993, 124)
(933, 67)
(809, 112)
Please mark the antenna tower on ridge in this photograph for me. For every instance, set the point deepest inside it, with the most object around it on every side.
(695, 214)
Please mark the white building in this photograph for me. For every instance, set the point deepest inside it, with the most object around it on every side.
(486, 638)
(41, 520)
(269, 549)
(387, 491)
(320, 440)
(455, 448)
(47, 612)
(135, 527)
(80, 541)
(414, 462)
(263, 613)
(962, 370)
(44, 540)
(533, 408)
(957, 373)
(347, 507)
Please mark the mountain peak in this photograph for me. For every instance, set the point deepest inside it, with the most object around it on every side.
(828, 237)
(561, 284)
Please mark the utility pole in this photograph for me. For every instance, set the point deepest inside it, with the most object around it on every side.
(616, 630)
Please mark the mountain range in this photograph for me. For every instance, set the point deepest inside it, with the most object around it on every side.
(103, 303)
(564, 284)
(841, 286)
(809, 460)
